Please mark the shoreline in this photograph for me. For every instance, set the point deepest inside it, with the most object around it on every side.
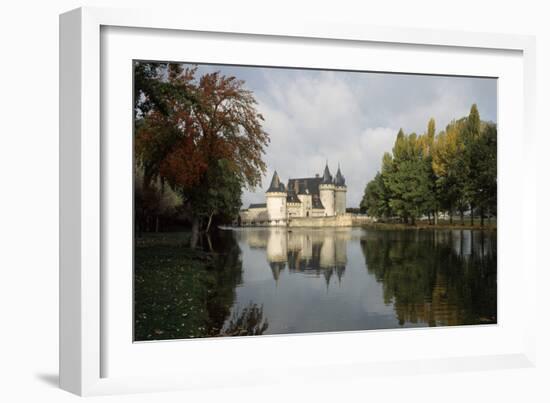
(426, 226)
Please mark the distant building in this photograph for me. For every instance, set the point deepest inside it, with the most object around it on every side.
(302, 197)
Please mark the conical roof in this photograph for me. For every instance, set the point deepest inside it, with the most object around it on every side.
(327, 177)
(339, 180)
(276, 184)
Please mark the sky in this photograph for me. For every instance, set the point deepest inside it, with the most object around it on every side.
(349, 118)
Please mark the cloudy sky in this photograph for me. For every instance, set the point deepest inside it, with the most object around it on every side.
(350, 118)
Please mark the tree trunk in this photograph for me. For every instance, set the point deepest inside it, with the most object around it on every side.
(436, 218)
(195, 232)
(451, 215)
(481, 218)
(462, 217)
(157, 223)
(413, 221)
(471, 216)
(210, 248)
(209, 221)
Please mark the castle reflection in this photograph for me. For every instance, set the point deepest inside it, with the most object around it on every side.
(311, 252)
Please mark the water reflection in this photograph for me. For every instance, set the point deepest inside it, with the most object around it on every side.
(254, 281)
(438, 278)
(397, 278)
(310, 252)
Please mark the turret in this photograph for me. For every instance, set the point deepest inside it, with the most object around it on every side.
(276, 201)
(326, 192)
(340, 190)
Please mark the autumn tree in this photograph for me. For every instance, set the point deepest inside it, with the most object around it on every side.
(448, 168)
(408, 177)
(187, 124)
(453, 171)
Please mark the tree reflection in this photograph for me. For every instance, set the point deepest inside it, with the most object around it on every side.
(436, 278)
(184, 293)
(248, 322)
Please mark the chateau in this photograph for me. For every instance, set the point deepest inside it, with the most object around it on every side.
(301, 198)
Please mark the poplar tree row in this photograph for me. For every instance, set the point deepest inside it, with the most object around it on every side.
(453, 172)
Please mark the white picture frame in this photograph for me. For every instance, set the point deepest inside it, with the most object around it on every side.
(84, 172)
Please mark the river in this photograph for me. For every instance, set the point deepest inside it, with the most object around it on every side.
(317, 280)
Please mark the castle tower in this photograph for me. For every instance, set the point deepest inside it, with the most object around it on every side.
(340, 190)
(326, 192)
(276, 201)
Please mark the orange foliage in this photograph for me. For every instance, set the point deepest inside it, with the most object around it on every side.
(208, 119)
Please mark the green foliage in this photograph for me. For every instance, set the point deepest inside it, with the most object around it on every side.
(218, 194)
(376, 200)
(426, 174)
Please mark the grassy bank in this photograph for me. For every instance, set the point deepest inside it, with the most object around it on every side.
(442, 224)
(180, 292)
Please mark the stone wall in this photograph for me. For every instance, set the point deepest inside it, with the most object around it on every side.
(254, 215)
(335, 221)
(258, 218)
(358, 220)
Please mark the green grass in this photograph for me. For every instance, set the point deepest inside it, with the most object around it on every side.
(170, 288)
(442, 224)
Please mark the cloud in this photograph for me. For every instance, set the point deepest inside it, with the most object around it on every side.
(350, 118)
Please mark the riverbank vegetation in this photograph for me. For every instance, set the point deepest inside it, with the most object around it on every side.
(181, 292)
(488, 225)
(198, 142)
(426, 176)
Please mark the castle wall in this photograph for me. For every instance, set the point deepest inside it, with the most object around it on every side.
(254, 215)
(326, 192)
(317, 212)
(306, 204)
(344, 220)
(294, 210)
(276, 207)
(340, 200)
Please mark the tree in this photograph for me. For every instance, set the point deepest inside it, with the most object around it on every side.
(409, 179)
(447, 166)
(470, 134)
(376, 199)
(482, 184)
(219, 193)
(452, 171)
(185, 125)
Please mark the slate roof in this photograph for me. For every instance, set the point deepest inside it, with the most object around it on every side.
(258, 205)
(316, 202)
(276, 184)
(339, 180)
(292, 197)
(302, 186)
(327, 177)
